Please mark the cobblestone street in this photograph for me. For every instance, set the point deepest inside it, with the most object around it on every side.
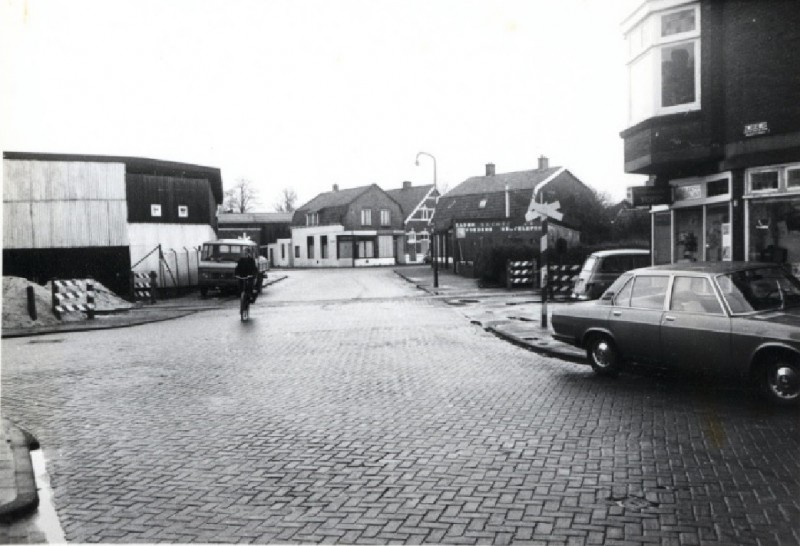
(353, 408)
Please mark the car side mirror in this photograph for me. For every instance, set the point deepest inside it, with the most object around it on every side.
(608, 296)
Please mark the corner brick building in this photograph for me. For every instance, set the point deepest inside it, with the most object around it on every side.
(714, 120)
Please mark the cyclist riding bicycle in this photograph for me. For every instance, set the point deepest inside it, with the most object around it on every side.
(247, 271)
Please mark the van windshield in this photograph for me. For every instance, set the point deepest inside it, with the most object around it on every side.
(222, 252)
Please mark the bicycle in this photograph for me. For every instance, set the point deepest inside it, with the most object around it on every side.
(244, 298)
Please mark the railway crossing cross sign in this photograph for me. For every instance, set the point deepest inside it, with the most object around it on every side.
(543, 210)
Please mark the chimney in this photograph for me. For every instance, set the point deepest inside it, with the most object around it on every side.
(336, 187)
(490, 169)
(543, 162)
(406, 185)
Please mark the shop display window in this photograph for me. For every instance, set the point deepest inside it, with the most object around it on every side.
(662, 241)
(774, 231)
(718, 234)
(689, 239)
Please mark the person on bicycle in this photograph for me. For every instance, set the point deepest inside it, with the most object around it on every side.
(246, 267)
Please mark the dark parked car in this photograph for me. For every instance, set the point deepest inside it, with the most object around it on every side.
(603, 267)
(728, 318)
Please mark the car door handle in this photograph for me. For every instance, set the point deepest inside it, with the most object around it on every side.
(617, 313)
(670, 318)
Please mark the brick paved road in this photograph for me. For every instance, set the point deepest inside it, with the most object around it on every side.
(385, 420)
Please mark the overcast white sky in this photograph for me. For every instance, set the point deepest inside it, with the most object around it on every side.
(308, 93)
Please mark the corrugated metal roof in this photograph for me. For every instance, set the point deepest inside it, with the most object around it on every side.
(254, 218)
(135, 165)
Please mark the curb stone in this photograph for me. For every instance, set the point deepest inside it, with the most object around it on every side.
(20, 476)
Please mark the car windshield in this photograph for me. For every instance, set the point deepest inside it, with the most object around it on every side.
(763, 289)
(588, 265)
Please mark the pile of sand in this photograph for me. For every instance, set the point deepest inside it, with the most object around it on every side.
(15, 303)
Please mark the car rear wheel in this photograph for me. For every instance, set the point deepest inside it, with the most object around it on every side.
(603, 355)
(780, 380)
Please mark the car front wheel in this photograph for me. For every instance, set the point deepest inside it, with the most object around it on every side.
(781, 380)
(603, 355)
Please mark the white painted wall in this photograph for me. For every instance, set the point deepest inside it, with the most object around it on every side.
(179, 244)
(281, 259)
(300, 238)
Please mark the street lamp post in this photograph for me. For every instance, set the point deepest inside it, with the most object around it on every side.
(434, 246)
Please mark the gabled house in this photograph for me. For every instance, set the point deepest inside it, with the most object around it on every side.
(417, 204)
(347, 228)
(490, 210)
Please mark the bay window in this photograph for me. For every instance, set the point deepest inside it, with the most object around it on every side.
(664, 61)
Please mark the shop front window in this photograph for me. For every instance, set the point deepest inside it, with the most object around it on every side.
(774, 231)
(688, 234)
(793, 179)
(662, 241)
(718, 234)
(764, 181)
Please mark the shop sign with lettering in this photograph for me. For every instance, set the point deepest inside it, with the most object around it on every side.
(648, 196)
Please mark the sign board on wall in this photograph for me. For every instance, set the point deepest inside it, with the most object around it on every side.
(755, 129)
(648, 196)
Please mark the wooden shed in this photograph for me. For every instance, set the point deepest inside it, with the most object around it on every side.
(70, 216)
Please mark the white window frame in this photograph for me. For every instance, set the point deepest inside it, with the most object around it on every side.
(366, 217)
(312, 218)
(155, 210)
(183, 211)
(783, 180)
(386, 215)
(647, 29)
(702, 181)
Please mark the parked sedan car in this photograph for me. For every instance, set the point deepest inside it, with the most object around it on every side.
(736, 319)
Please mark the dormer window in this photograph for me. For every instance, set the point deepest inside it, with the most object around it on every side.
(312, 218)
(482, 204)
(663, 60)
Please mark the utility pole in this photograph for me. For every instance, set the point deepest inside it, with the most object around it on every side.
(545, 266)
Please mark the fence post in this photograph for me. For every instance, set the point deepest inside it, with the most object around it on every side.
(54, 291)
(90, 300)
(508, 274)
(177, 279)
(188, 269)
(31, 302)
(153, 278)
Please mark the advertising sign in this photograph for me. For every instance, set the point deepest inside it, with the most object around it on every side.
(648, 196)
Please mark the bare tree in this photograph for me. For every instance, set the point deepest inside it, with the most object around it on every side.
(287, 201)
(242, 197)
